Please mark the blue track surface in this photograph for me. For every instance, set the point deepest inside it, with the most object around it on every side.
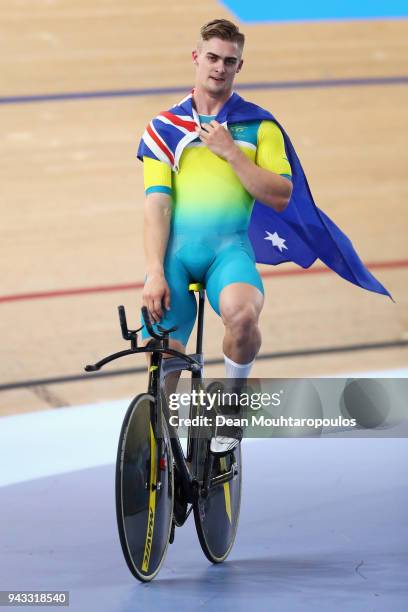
(316, 10)
(323, 527)
(323, 522)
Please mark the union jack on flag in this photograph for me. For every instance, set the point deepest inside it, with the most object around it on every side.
(168, 134)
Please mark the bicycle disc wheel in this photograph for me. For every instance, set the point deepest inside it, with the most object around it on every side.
(144, 489)
(216, 516)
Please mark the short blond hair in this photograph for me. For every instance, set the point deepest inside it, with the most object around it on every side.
(223, 29)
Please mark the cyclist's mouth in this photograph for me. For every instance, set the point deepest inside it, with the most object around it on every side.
(217, 79)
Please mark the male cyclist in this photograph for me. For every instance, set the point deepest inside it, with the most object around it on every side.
(198, 207)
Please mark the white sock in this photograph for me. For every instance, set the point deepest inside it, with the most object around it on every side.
(237, 370)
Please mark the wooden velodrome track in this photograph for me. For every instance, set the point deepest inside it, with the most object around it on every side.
(71, 188)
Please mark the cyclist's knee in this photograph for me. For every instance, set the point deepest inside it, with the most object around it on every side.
(243, 318)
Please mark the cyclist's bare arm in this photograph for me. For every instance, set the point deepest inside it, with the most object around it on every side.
(157, 215)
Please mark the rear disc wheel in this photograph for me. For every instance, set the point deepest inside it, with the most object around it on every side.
(216, 515)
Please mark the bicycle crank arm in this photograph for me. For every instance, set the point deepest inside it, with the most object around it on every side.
(216, 481)
(226, 477)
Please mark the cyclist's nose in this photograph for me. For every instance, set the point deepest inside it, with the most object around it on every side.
(220, 67)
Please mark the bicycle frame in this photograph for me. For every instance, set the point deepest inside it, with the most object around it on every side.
(159, 369)
(156, 385)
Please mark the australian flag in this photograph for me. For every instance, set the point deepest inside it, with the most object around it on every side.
(302, 233)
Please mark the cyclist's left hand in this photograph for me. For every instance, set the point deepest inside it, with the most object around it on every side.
(217, 139)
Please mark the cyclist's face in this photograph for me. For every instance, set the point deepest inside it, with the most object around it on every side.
(217, 62)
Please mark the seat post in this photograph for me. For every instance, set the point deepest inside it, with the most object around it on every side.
(198, 287)
(200, 321)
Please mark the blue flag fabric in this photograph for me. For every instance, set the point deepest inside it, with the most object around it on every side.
(302, 233)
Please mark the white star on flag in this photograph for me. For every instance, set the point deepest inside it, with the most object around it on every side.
(276, 240)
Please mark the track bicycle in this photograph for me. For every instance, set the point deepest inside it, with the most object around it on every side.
(158, 483)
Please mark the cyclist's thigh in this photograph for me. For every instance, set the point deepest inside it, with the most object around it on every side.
(234, 264)
(183, 307)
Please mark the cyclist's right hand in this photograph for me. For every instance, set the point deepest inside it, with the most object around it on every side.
(156, 295)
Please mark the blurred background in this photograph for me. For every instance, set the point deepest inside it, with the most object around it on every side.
(79, 82)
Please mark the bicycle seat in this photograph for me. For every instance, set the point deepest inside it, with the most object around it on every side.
(195, 287)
